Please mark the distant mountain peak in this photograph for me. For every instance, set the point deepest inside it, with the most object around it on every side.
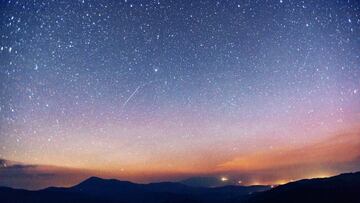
(94, 179)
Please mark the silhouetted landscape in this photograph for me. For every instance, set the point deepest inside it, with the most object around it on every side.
(341, 188)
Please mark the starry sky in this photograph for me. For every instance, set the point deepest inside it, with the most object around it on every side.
(260, 92)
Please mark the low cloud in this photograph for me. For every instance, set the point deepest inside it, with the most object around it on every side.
(9, 165)
(30, 176)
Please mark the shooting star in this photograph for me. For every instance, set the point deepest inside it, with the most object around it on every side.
(131, 96)
(134, 93)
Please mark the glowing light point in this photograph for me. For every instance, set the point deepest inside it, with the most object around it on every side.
(224, 179)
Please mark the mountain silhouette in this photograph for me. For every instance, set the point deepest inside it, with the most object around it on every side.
(341, 188)
(337, 189)
(96, 189)
(156, 192)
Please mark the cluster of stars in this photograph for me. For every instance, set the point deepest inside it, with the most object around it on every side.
(174, 77)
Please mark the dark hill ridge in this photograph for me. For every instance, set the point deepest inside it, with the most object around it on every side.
(110, 190)
(158, 192)
(342, 188)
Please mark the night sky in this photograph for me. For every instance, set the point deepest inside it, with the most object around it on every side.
(257, 91)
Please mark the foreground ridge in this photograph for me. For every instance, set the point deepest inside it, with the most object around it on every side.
(340, 188)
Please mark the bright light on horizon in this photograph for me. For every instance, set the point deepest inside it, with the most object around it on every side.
(224, 179)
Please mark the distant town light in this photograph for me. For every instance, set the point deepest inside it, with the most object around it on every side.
(224, 179)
